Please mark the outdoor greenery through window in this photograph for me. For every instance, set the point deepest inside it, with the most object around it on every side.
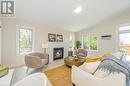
(90, 41)
(24, 40)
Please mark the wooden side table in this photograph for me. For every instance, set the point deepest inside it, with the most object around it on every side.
(69, 61)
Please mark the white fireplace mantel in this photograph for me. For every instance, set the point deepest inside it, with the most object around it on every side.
(51, 46)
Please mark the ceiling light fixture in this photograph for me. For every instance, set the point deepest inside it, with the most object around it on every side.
(78, 9)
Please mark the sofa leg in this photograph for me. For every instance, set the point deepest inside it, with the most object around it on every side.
(27, 69)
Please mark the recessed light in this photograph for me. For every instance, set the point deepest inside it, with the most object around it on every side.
(78, 9)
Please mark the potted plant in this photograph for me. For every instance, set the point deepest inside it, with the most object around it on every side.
(77, 44)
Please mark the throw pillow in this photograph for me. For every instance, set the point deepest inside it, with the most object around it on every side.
(93, 59)
(98, 58)
(105, 56)
(81, 54)
(90, 67)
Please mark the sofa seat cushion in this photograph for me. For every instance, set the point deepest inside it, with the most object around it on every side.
(90, 67)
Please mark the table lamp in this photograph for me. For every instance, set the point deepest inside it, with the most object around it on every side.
(44, 47)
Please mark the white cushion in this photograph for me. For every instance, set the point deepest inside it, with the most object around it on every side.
(118, 55)
(101, 73)
(90, 67)
(36, 79)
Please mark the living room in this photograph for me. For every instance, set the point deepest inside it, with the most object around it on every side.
(58, 30)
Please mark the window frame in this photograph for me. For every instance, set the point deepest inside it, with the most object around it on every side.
(18, 27)
(122, 32)
(89, 34)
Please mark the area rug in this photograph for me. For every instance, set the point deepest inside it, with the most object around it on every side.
(60, 76)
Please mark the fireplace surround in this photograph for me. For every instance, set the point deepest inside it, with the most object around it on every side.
(58, 53)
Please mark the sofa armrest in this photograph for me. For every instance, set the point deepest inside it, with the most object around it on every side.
(37, 79)
(82, 78)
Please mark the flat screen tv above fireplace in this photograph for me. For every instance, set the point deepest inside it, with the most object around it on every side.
(58, 53)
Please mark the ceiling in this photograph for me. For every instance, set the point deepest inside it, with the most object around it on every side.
(60, 13)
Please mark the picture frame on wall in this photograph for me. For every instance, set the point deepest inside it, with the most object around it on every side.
(59, 38)
(51, 37)
(106, 37)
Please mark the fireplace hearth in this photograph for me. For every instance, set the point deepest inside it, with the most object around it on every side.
(58, 53)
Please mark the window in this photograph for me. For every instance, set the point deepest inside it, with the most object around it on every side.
(24, 39)
(124, 37)
(90, 41)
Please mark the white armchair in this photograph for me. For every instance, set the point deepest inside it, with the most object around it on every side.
(37, 79)
(83, 78)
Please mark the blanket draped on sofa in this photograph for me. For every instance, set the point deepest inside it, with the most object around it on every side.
(113, 64)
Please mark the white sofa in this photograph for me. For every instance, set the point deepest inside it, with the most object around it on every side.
(37, 79)
(80, 77)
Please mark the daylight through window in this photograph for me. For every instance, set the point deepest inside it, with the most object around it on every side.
(124, 39)
(90, 41)
(24, 40)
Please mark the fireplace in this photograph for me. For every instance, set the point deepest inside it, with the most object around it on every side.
(58, 53)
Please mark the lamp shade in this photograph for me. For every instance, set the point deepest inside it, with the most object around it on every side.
(44, 45)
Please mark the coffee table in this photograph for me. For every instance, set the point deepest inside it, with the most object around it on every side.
(69, 61)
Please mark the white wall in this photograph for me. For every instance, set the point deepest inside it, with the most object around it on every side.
(108, 27)
(9, 56)
(0, 39)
